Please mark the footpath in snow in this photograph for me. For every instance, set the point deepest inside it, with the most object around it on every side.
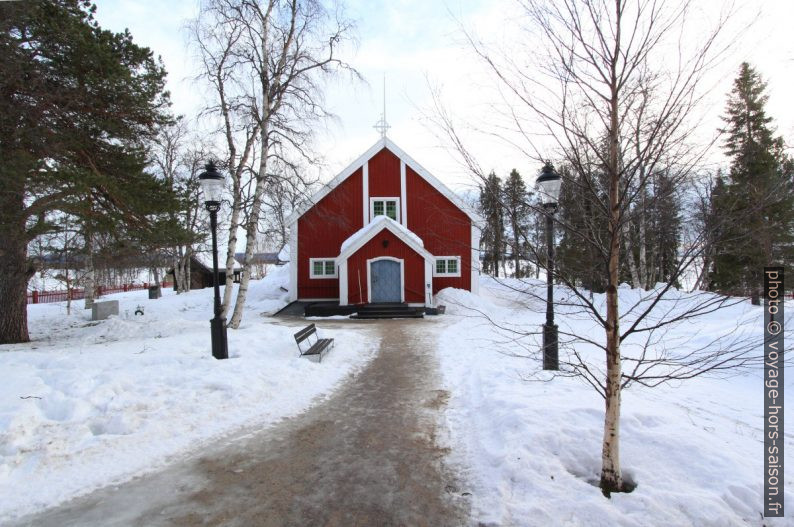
(86, 404)
(533, 449)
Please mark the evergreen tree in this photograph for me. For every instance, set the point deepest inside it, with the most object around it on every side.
(757, 202)
(77, 104)
(583, 218)
(653, 233)
(493, 235)
(518, 210)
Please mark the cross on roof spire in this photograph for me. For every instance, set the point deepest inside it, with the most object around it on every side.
(382, 125)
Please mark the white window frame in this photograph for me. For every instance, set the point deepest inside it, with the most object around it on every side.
(397, 209)
(322, 276)
(447, 275)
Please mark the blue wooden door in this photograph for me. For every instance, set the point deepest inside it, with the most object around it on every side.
(386, 283)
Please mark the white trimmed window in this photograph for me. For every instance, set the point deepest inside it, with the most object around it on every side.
(322, 268)
(447, 266)
(384, 207)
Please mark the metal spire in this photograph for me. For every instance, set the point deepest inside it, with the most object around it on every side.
(382, 126)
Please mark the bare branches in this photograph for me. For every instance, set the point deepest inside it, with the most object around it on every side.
(615, 94)
(266, 61)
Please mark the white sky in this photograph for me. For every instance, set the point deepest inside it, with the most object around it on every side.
(411, 40)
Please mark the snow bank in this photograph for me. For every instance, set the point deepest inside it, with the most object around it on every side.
(91, 403)
(532, 449)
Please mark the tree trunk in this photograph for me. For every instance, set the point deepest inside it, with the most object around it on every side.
(185, 263)
(90, 278)
(611, 476)
(250, 233)
(176, 261)
(14, 275)
(156, 272)
(643, 270)
(702, 283)
(68, 289)
(231, 247)
(635, 274)
(516, 248)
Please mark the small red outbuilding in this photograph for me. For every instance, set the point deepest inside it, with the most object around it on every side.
(383, 230)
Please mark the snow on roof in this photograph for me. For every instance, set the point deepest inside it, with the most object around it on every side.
(258, 258)
(377, 224)
(205, 259)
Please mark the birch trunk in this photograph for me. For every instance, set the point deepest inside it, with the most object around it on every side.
(176, 261)
(643, 270)
(611, 476)
(635, 274)
(250, 234)
(516, 255)
(231, 247)
(186, 269)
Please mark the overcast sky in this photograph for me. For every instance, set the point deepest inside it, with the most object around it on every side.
(410, 41)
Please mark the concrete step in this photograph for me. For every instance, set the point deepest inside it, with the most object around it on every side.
(389, 314)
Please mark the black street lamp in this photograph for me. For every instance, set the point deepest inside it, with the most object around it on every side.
(212, 186)
(549, 184)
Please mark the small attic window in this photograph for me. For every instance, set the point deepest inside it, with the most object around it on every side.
(384, 207)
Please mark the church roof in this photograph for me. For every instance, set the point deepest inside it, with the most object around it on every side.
(348, 171)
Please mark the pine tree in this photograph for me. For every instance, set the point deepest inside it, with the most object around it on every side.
(583, 219)
(517, 210)
(493, 234)
(77, 104)
(757, 202)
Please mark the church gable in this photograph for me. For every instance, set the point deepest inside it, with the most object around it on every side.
(382, 183)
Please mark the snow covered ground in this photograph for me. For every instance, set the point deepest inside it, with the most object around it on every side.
(533, 448)
(87, 403)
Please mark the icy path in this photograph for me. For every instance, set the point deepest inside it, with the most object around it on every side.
(368, 455)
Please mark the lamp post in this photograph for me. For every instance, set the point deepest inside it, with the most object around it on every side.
(212, 186)
(549, 184)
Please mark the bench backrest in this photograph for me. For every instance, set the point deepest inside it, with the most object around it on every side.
(304, 335)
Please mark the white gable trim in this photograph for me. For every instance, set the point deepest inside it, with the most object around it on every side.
(396, 229)
(378, 227)
(364, 192)
(435, 183)
(403, 194)
(293, 263)
(362, 160)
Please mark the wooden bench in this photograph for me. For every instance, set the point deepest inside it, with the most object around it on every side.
(313, 351)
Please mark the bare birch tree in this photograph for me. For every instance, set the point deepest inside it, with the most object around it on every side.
(265, 61)
(617, 112)
(178, 156)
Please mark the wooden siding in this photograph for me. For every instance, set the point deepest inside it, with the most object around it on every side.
(444, 228)
(396, 248)
(321, 231)
(384, 175)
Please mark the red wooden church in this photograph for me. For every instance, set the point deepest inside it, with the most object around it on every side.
(383, 230)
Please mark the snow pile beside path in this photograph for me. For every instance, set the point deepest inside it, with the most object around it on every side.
(533, 449)
(87, 404)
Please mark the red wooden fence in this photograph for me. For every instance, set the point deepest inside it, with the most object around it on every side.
(43, 297)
